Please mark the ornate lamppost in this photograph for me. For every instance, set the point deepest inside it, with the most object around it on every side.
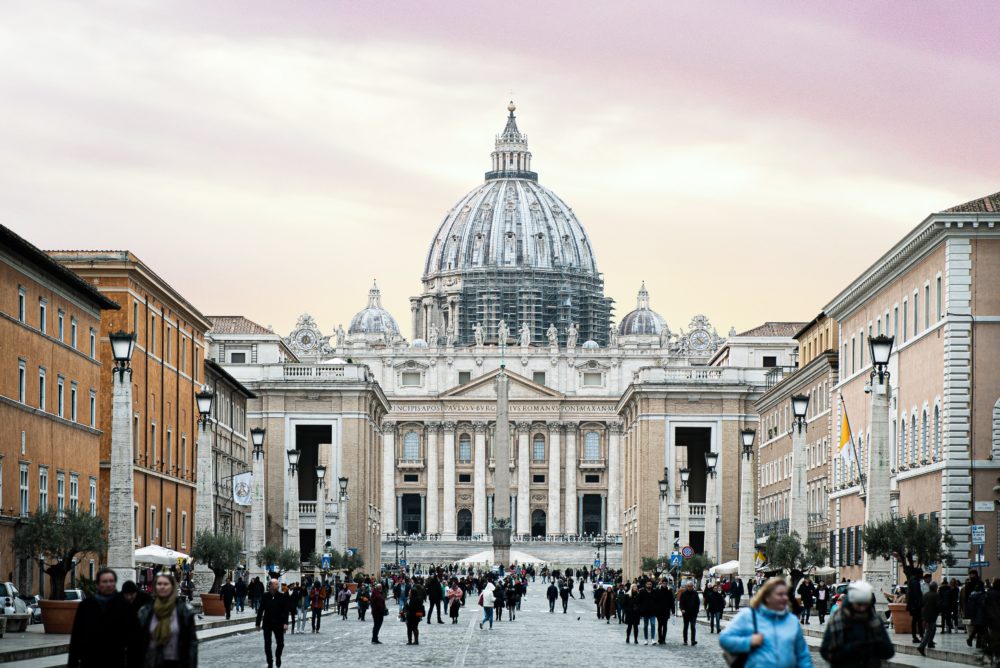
(292, 534)
(877, 571)
(798, 517)
(748, 535)
(711, 530)
(121, 518)
(257, 537)
(664, 524)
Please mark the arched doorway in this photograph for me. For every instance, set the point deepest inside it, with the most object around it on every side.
(465, 523)
(538, 523)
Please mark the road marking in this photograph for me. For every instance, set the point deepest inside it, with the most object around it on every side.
(460, 658)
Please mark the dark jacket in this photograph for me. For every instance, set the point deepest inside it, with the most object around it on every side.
(851, 640)
(187, 642)
(914, 597)
(273, 611)
(241, 587)
(433, 589)
(663, 600)
(378, 605)
(716, 601)
(689, 603)
(228, 591)
(101, 632)
(930, 607)
(645, 603)
(552, 593)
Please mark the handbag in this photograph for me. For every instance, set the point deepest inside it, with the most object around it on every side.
(740, 660)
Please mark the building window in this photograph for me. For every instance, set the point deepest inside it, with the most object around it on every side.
(538, 478)
(93, 496)
(43, 488)
(184, 528)
(913, 438)
(72, 401)
(24, 490)
(464, 449)
(43, 320)
(770, 361)
(41, 388)
(903, 457)
(184, 350)
(465, 477)
(72, 332)
(22, 379)
(464, 377)
(591, 446)
(923, 436)
(168, 517)
(60, 492)
(410, 379)
(93, 409)
(411, 446)
(237, 358)
(21, 299)
(74, 491)
(592, 478)
(538, 449)
(937, 433)
(411, 477)
(593, 379)
(538, 377)
(93, 343)
(938, 297)
(168, 348)
(152, 334)
(60, 399)
(916, 313)
(184, 455)
(854, 354)
(61, 324)
(153, 530)
(905, 321)
(927, 306)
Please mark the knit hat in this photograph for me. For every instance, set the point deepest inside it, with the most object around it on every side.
(859, 592)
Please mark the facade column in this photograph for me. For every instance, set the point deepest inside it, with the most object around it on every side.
(423, 513)
(479, 480)
(121, 519)
(613, 520)
(748, 537)
(448, 517)
(798, 518)
(523, 478)
(878, 572)
(432, 477)
(552, 520)
(389, 524)
(571, 527)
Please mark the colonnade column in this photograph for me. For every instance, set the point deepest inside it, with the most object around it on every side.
(523, 476)
(570, 527)
(614, 478)
(479, 480)
(552, 519)
(448, 517)
(389, 477)
(432, 476)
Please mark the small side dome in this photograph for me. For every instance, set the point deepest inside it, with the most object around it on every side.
(590, 344)
(373, 320)
(643, 321)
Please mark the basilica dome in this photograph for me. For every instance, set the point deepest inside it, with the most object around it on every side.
(373, 319)
(643, 321)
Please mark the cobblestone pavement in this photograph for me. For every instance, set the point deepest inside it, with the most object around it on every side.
(536, 638)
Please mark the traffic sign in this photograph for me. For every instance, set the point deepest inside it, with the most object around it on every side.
(687, 551)
(326, 562)
(932, 567)
(597, 563)
(979, 564)
(675, 560)
(402, 562)
(978, 534)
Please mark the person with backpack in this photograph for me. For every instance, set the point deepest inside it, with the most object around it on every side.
(766, 633)
(486, 602)
(856, 634)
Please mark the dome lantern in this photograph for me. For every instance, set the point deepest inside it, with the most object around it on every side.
(511, 157)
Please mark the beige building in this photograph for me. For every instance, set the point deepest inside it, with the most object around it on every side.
(936, 292)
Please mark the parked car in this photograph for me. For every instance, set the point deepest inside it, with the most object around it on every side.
(73, 595)
(13, 607)
(35, 609)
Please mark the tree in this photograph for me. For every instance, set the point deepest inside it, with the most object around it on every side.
(787, 553)
(649, 564)
(913, 542)
(351, 563)
(220, 552)
(282, 559)
(696, 565)
(58, 537)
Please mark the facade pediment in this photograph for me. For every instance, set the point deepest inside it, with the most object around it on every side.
(520, 388)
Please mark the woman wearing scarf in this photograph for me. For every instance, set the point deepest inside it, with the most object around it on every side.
(166, 629)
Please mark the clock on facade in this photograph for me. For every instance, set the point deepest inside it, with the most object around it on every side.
(700, 339)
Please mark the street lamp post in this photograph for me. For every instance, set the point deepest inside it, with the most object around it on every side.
(257, 530)
(748, 536)
(121, 519)
(204, 513)
(342, 519)
(320, 510)
(711, 530)
(685, 474)
(875, 570)
(798, 517)
(292, 534)
(664, 527)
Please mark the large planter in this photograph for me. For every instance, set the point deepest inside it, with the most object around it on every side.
(901, 620)
(212, 605)
(58, 616)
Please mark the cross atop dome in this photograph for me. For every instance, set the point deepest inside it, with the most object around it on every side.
(374, 296)
(511, 157)
(642, 301)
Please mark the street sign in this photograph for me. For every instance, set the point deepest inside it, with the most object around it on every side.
(978, 534)
(675, 560)
(932, 567)
(326, 562)
(984, 506)
(597, 563)
(687, 551)
(979, 564)
(402, 562)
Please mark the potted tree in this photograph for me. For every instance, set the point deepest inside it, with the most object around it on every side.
(787, 553)
(914, 544)
(696, 565)
(349, 564)
(57, 538)
(221, 554)
(279, 560)
(316, 562)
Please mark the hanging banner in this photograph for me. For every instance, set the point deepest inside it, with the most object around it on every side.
(243, 489)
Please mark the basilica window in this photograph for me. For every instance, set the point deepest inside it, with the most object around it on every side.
(410, 379)
(464, 449)
(538, 449)
(591, 446)
(411, 446)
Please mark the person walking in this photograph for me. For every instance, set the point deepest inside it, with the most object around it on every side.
(486, 601)
(607, 605)
(929, 613)
(856, 635)
(255, 590)
(241, 593)
(316, 606)
(272, 617)
(552, 593)
(975, 612)
(565, 591)
(415, 612)
(343, 601)
(736, 592)
(434, 597)
(690, 606)
(166, 635)
(455, 596)
(379, 612)
(646, 603)
(948, 604)
(822, 601)
(363, 599)
(631, 609)
(228, 593)
(294, 595)
(716, 606)
(766, 632)
(499, 600)
(915, 604)
(512, 596)
(305, 607)
(102, 627)
(807, 594)
(664, 605)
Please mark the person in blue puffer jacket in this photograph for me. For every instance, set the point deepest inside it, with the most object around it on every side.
(778, 641)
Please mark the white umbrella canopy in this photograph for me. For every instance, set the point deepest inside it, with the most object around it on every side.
(486, 557)
(728, 568)
(156, 554)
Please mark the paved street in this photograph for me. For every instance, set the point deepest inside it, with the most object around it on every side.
(535, 638)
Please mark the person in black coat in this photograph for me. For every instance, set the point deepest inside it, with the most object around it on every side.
(241, 593)
(915, 604)
(166, 636)
(103, 626)
(690, 605)
(272, 616)
(664, 604)
(715, 602)
(137, 599)
(228, 593)
(565, 592)
(552, 593)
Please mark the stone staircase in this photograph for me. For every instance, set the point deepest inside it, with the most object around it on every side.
(554, 553)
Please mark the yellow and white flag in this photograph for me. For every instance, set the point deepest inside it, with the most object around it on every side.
(846, 437)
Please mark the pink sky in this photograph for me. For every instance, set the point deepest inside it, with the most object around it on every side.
(745, 159)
